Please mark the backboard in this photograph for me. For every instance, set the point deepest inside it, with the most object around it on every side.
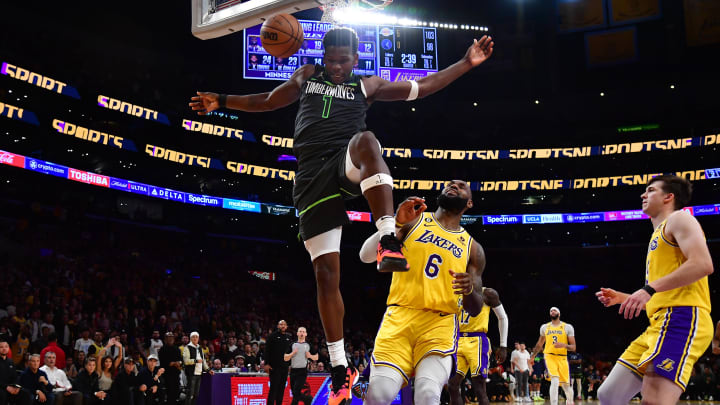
(215, 18)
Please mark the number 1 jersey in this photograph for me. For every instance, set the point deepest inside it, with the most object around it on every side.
(329, 114)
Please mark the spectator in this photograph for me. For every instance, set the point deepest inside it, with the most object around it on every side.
(240, 364)
(217, 366)
(224, 354)
(87, 383)
(83, 343)
(52, 346)
(155, 343)
(21, 346)
(232, 346)
(125, 387)
(96, 345)
(707, 388)
(34, 322)
(693, 390)
(576, 372)
(320, 367)
(356, 359)
(150, 381)
(108, 368)
(47, 322)
(61, 386)
(251, 361)
(592, 381)
(35, 382)
(10, 390)
(219, 339)
(74, 367)
(171, 361)
(195, 364)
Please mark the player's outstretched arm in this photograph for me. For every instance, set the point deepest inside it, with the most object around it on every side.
(382, 90)
(610, 297)
(469, 283)
(282, 96)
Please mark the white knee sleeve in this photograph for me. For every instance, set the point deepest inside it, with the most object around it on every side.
(352, 172)
(431, 375)
(620, 386)
(379, 179)
(385, 383)
(568, 391)
(326, 242)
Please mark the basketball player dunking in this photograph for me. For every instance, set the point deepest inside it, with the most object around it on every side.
(418, 333)
(337, 159)
(675, 296)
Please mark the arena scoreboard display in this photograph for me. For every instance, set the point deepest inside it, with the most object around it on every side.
(395, 53)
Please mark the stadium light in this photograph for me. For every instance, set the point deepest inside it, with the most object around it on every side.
(355, 15)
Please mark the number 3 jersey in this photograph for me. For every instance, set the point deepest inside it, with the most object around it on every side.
(329, 114)
(432, 251)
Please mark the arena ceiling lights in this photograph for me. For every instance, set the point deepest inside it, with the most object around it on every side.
(358, 16)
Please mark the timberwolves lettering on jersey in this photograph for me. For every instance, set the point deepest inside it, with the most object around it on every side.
(431, 251)
(328, 114)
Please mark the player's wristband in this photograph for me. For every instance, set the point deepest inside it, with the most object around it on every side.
(649, 289)
(222, 100)
(398, 224)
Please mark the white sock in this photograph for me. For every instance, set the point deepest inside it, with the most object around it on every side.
(386, 225)
(554, 386)
(337, 353)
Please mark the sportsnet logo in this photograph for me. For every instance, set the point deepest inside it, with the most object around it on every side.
(89, 178)
(12, 159)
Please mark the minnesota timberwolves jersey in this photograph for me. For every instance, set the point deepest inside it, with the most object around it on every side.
(477, 323)
(664, 257)
(329, 114)
(431, 251)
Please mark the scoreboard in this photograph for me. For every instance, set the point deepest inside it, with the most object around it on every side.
(395, 53)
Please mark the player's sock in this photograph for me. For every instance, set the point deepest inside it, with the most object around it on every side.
(568, 393)
(385, 225)
(336, 350)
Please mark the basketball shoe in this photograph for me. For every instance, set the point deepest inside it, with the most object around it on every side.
(343, 379)
(389, 255)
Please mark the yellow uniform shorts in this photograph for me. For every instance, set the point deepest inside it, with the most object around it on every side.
(407, 335)
(557, 366)
(672, 343)
(473, 353)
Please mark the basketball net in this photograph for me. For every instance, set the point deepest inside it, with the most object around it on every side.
(331, 7)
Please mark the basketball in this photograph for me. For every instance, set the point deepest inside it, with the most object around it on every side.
(281, 35)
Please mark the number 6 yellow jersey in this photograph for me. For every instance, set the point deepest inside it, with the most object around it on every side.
(431, 251)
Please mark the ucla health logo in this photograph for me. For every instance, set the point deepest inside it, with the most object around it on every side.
(654, 243)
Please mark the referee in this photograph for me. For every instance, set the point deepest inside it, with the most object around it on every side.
(298, 367)
(278, 343)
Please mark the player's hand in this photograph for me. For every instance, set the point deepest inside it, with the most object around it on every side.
(610, 297)
(205, 102)
(634, 304)
(716, 346)
(559, 345)
(501, 354)
(410, 209)
(462, 282)
(480, 50)
(268, 368)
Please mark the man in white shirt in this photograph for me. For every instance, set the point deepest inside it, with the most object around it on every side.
(83, 342)
(156, 343)
(62, 388)
(195, 364)
(521, 364)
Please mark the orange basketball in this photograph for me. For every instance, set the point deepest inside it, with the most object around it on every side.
(281, 35)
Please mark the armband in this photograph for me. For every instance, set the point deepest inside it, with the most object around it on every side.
(222, 100)
(649, 289)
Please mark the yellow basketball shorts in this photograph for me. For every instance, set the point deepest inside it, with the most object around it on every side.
(672, 343)
(473, 354)
(557, 366)
(408, 335)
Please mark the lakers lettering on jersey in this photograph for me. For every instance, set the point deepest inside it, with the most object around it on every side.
(477, 323)
(664, 257)
(554, 334)
(431, 251)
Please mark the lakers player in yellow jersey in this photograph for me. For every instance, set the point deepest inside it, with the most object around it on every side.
(556, 339)
(417, 335)
(675, 296)
(474, 347)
